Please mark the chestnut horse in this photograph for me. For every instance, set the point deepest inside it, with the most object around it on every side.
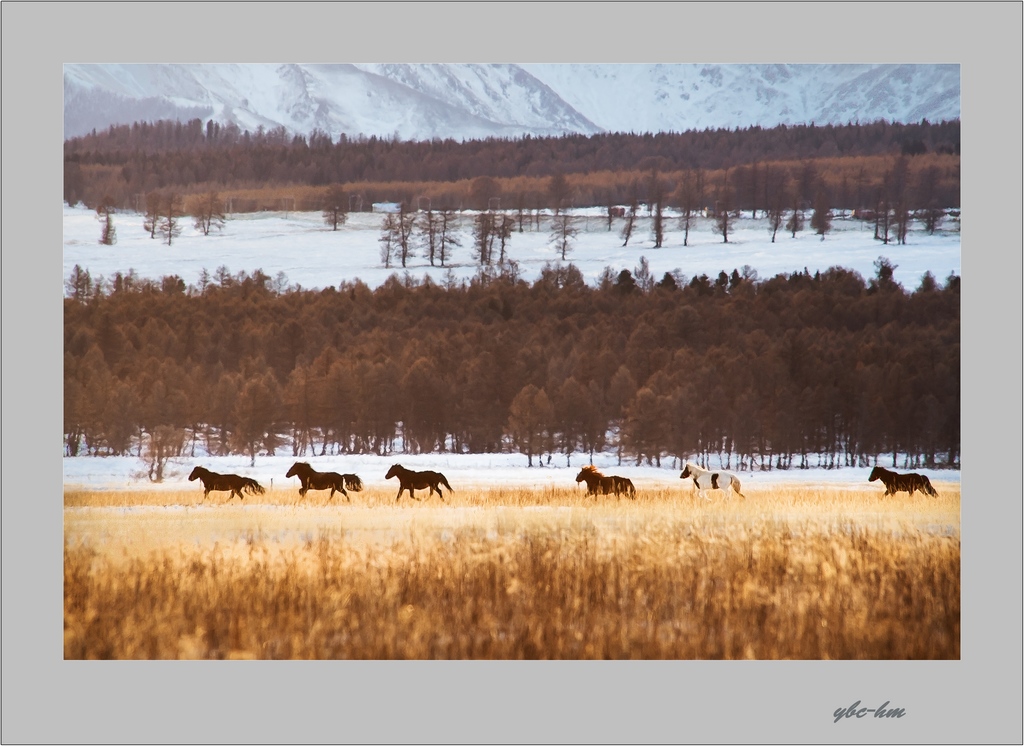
(417, 480)
(902, 482)
(214, 482)
(311, 479)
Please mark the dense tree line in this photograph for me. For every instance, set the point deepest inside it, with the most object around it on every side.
(796, 370)
(128, 161)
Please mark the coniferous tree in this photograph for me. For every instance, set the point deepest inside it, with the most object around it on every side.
(154, 212)
(563, 233)
(208, 213)
(658, 222)
(448, 237)
(405, 224)
(389, 238)
(821, 219)
(795, 223)
(105, 214)
(723, 209)
(688, 198)
(483, 237)
(170, 220)
(429, 224)
(334, 207)
(627, 229)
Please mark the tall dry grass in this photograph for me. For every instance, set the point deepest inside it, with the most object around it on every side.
(809, 573)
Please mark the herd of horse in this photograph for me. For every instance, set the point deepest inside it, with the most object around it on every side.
(597, 483)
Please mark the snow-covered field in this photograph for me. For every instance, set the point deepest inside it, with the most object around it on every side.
(480, 471)
(309, 254)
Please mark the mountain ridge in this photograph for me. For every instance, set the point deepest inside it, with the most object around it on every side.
(474, 101)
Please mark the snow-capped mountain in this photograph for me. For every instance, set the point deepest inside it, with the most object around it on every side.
(468, 101)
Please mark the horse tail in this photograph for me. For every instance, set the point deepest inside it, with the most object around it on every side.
(254, 487)
(444, 481)
(354, 482)
(736, 487)
(927, 488)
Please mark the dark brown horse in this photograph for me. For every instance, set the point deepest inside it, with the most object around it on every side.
(598, 483)
(625, 486)
(417, 480)
(214, 482)
(902, 482)
(311, 479)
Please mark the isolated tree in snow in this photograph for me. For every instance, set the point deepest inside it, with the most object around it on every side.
(105, 214)
(688, 197)
(389, 238)
(208, 213)
(796, 218)
(406, 221)
(154, 209)
(627, 229)
(563, 233)
(723, 210)
(448, 238)
(335, 206)
(775, 198)
(170, 222)
(658, 221)
(429, 225)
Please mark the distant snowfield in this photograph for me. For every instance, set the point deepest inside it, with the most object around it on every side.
(477, 471)
(301, 247)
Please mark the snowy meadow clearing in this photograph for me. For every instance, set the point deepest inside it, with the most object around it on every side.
(309, 254)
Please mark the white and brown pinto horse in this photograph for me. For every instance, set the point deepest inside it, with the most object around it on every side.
(710, 480)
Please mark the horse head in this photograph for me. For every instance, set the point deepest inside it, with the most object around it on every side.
(196, 473)
(394, 471)
(587, 471)
(298, 467)
(875, 473)
(686, 472)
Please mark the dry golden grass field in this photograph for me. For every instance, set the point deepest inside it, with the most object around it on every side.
(790, 572)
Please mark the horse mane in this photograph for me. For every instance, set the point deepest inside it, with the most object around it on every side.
(591, 469)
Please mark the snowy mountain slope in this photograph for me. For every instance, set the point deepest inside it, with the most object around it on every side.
(466, 101)
(681, 97)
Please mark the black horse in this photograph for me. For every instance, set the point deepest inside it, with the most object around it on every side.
(311, 479)
(902, 482)
(233, 483)
(417, 480)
